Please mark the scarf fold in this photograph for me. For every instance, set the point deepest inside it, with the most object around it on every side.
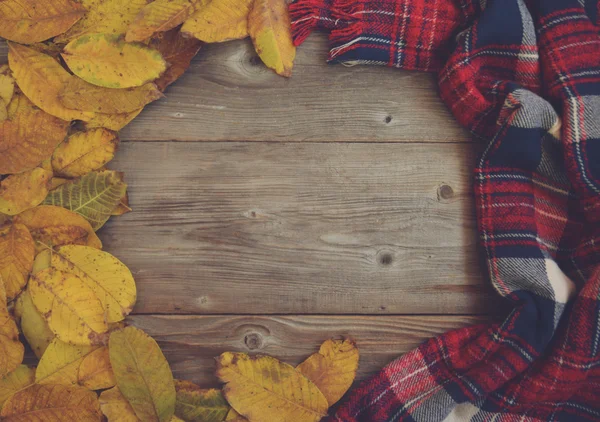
(524, 77)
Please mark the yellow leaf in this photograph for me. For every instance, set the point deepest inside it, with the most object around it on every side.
(17, 251)
(108, 61)
(11, 349)
(80, 95)
(123, 207)
(219, 20)
(195, 404)
(56, 226)
(158, 16)
(83, 152)
(332, 369)
(72, 310)
(7, 88)
(60, 363)
(116, 407)
(269, 28)
(15, 381)
(58, 181)
(28, 137)
(264, 389)
(42, 78)
(33, 326)
(19, 192)
(3, 112)
(30, 21)
(52, 403)
(143, 374)
(104, 17)
(93, 196)
(95, 371)
(234, 416)
(114, 122)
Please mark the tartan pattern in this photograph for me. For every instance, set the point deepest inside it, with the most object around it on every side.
(524, 77)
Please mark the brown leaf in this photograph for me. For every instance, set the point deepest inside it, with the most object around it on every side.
(11, 349)
(17, 251)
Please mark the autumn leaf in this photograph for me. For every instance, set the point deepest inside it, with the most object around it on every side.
(7, 87)
(17, 252)
(3, 112)
(52, 403)
(95, 371)
(195, 404)
(15, 381)
(19, 192)
(112, 121)
(11, 349)
(33, 326)
(143, 374)
(108, 61)
(83, 152)
(93, 196)
(70, 307)
(269, 28)
(123, 207)
(52, 226)
(219, 20)
(116, 407)
(234, 416)
(31, 21)
(158, 16)
(60, 363)
(279, 394)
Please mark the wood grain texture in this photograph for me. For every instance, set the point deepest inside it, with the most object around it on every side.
(191, 343)
(262, 228)
(229, 95)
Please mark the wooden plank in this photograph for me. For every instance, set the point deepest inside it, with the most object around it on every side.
(228, 95)
(190, 343)
(300, 228)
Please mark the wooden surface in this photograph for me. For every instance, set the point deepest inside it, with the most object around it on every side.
(272, 214)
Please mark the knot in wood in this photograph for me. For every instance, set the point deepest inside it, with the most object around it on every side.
(253, 341)
(445, 192)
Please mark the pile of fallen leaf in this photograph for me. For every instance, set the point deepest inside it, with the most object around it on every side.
(77, 73)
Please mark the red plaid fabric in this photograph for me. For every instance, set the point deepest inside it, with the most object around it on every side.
(524, 77)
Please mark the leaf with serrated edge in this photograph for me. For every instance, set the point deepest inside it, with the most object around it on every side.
(33, 326)
(70, 306)
(264, 389)
(83, 152)
(115, 406)
(15, 381)
(60, 363)
(219, 20)
(158, 16)
(19, 192)
(17, 252)
(195, 404)
(143, 374)
(95, 371)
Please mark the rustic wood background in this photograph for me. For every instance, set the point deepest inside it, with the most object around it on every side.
(271, 214)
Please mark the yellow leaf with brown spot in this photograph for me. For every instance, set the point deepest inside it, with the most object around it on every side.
(83, 152)
(108, 61)
(28, 137)
(52, 226)
(195, 404)
(114, 122)
(264, 389)
(123, 207)
(80, 95)
(31, 21)
(143, 374)
(15, 381)
(42, 78)
(95, 371)
(19, 192)
(333, 368)
(269, 28)
(104, 17)
(70, 307)
(33, 326)
(17, 252)
(60, 363)
(52, 403)
(115, 406)
(158, 16)
(219, 20)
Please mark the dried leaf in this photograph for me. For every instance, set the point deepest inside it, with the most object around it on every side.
(3, 114)
(30, 21)
(95, 371)
(58, 181)
(123, 207)
(19, 192)
(264, 389)
(17, 251)
(158, 16)
(7, 87)
(269, 28)
(108, 61)
(83, 152)
(104, 17)
(143, 374)
(15, 381)
(52, 403)
(194, 404)
(11, 349)
(80, 95)
(219, 20)
(33, 326)
(114, 122)
(116, 407)
(60, 363)
(94, 196)
(72, 310)
(332, 369)
(56, 226)
(234, 416)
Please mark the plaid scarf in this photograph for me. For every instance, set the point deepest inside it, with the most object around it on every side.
(524, 77)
